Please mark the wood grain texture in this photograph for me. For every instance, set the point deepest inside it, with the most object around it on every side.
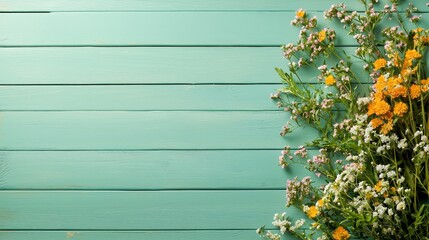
(148, 97)
(171, 29)
(141, 210)
(140, 65)
(175, 5)
(132, 235)
(145, 170)
(148, 65)
(145, 130)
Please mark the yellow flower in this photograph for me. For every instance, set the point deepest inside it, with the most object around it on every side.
(340, 233)
(415, 91)
(322, 35)
(376, 122)
(387, 127)
(379, 63)
(378, 186)
(412, 54)
(300, 13)
(400, 109)
(398, 90)
(330, 80)
(380, 107)
(312, 212)
(425, 85)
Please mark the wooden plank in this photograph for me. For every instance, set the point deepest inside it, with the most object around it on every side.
(148, 97)
(159, 29)
(174, 5)
(122, 130)
(149, 170)
(155, 29)
(140, 210)
(146, 65)
(131, 235)
(139, 65)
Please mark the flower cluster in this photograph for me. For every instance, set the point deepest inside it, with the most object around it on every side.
(371, 170)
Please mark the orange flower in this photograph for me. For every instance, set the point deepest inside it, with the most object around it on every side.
(330, 80)
(387, 127)
(425, 85)
(412, 54)
(400, 109)
(415, 91)
(381, 107)
(398, 90)
(340, 233)
(300, 13)
(380, 84)
(322, 35)
(376, 122)
(312, 212)
(378, 186)
(379, 63)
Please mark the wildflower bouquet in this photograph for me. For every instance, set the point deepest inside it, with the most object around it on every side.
(373, 126)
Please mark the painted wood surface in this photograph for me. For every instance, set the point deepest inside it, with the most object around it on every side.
(139, 65)
(132, 98)
(139, 210)
(148, 65)
(132, 235)
(178, 5)
(146, 170)
(130, 130)
(171, 29)
(145, 119)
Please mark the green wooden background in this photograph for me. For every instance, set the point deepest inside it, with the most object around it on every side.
(143, 119)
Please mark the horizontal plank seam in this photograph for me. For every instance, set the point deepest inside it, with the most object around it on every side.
(139, 190)
(130, 230)
(143, 150)
(112, 191)
(144, 110)
(158, 45)
(278, 83)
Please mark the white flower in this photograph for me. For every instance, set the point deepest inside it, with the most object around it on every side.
(400, 206)
(402, 143)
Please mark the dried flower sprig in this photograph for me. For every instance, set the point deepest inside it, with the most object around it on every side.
(374, 146)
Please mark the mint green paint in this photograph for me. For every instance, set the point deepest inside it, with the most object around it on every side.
(145, 119)
(148, 97)
(269, 28)
(125, 130)
(178, 5)
(146, 170)
(143, 210)
(132, 235)
(139, 65)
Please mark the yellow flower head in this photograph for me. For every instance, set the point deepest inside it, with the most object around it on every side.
(340, 233)
(379, 63)
(400, 109)
(387, 127)
(312, 212)
(412, 54)
(398, 90)
(300, 13)
(376, 122)
(415, 91)
(378, 186)
(330, 80)
(322, 35)
(378, 107)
